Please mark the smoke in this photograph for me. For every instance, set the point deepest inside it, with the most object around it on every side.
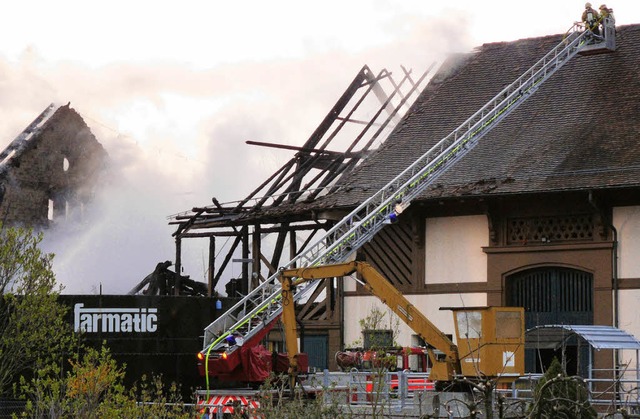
(176, 137)
(175, 127)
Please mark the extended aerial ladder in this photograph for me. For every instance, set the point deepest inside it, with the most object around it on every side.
(256, 313)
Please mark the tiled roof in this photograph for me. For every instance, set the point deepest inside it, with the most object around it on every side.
(579, 131)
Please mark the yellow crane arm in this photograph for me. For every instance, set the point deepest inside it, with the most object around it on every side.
(377, 285)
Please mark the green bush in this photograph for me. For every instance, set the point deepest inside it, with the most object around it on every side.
(558, 396)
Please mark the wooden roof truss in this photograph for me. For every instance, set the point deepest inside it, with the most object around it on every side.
(361, 119)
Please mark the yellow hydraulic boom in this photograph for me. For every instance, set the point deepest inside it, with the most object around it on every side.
(487, 350)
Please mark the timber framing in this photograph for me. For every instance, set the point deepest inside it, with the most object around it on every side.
(280, 217)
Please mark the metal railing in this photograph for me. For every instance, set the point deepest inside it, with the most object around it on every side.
(412, 393)
(607, 392)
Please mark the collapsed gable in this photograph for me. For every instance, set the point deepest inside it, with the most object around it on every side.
(50, 170)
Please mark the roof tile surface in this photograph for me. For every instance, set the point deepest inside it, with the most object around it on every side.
(578, 131)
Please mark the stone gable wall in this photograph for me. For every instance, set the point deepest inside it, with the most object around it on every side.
(38, 172)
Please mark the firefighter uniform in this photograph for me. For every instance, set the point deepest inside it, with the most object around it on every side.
(591, 19)
(605, 12)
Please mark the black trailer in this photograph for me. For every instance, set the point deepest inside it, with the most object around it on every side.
(152, 335)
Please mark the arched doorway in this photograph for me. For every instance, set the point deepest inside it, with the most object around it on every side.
(552, 295)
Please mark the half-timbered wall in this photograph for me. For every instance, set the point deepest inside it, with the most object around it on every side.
(470, 259)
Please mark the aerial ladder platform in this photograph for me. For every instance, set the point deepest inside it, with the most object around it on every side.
(256, 313)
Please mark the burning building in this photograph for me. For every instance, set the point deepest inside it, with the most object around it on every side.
(50, 170)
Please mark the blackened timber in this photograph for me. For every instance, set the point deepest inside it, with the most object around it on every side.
(279, 183)
(178, 265)
(342, 166)
(278, 173)
(334, 171)
(211, 268)
(185, 226)
(345, 119)
(313, 234)
(364, 77)
(213, 222)
(211, 211)
(270, 267)
(293, 245)
(216, 202)
(293, 190)
(305, 163)
(404, 98)
(245, 255)
(324, 164)
(304, 149)
(219, 208)
(227, 258)
(277, 252)
(256, 245)
(331, 173)
(317, 226)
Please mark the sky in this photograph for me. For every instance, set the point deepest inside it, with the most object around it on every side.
(174, 89)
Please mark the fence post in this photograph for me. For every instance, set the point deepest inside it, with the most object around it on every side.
(403, 384)
(325, 386)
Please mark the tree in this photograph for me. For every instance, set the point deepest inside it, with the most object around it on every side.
(58, 375)
(33, 330)
(93, 388)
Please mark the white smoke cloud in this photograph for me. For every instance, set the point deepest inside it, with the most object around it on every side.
(176, 137)
(174, 92)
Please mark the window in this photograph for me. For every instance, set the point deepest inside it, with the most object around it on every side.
(509, 325)
(469, 324)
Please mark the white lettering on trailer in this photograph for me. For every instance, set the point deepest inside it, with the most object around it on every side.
(115, 320)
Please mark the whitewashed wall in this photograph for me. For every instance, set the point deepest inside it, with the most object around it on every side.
(357, 308)
(627, 222)
(629, 321)
(453, 248)
(453, 255)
